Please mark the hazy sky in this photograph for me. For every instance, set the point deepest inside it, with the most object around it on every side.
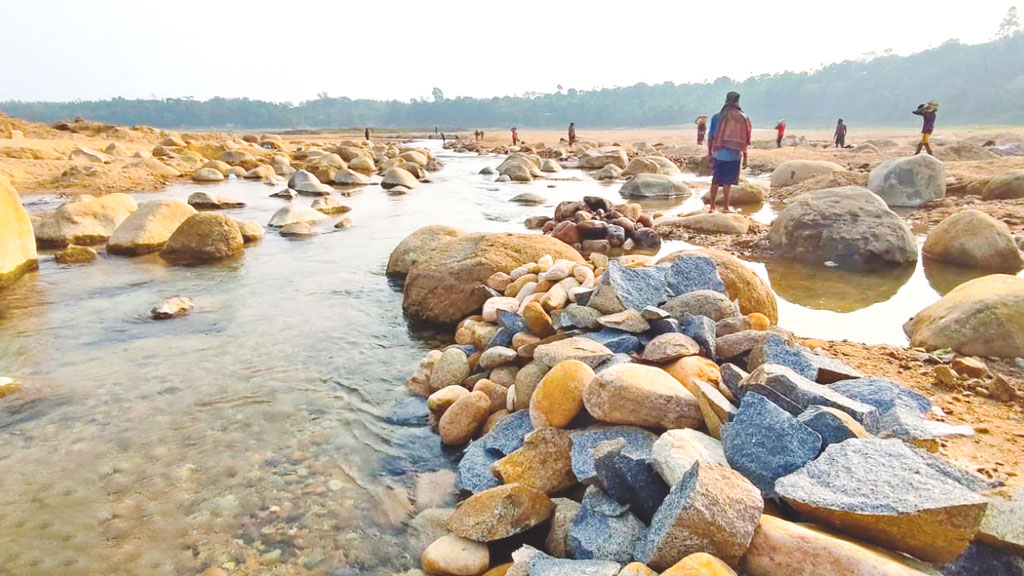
(398, 49)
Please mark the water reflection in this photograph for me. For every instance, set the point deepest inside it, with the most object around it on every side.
(944, 277)
(833, 288)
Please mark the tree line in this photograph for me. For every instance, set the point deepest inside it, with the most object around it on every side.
(975, 84)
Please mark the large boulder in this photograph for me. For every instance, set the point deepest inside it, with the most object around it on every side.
(418, 246)
(293, 213)
(1007, 186)
(743, 194)
(973, 239)
(150, 227)
(849, 226)
(643, 396)
(654, 186)
(17, 242)
(796, 171)
(710, 223)
(596, 158)
(204, 237)
(84, 222)
(910, 181)
(396, 176)
(448, 283)
(982, 317)
(888, 493)
(741, 282)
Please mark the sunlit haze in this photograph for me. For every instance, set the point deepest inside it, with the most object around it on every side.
(292, 51)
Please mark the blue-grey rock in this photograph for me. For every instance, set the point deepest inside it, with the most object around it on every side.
(764, 442)
(911, 426)
(981, 559)
(575, 316)
(509, 434)
(665, 326)
(711, 509)
(635, 288)
(617, 341)
(630, 480)
(831, 370)
(902, 411)
(733, 376)
(799, 393)
(703, 331)
(775, 350)
(883, 394)
(615, 360)
(502, 337)
(547, 566)
(511, 321)
(409, 411)
(832, 425)
(603, 529)
(692, 272)
(638, 444)
(888, 493)
(474, 474)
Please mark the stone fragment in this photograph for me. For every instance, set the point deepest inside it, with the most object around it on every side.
(795, 393)
(703, 331)
(629, 479)
(981, 559)
(557, 541)
(618, 341)
(692, 272)
(638, 444)
(834, 426)
(500, 512)
(603, 529)
(669, 347)
(643, 396)
(676, 451)
(172, 308)
(628, 321)
(544, 462)
(774, 350)
(578, 348)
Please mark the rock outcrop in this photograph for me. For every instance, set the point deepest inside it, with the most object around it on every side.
(17, 241)
(149, 228)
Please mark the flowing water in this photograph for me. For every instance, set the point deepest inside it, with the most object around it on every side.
(271, 427)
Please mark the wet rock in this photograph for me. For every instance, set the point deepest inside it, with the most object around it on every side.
(455, 556)
(208, 175)
(463, 418)
(981, 317)
(204, 237)
(251, 231)
(410, 411)
(889, 493)
(287, 194)
(297, 229)
(641, 395)
(638, 444)
(396, 176)
(304, 182)
(75, 255)
(329, 205)
(544, 462)
(500, 512)
(629, 479)
(669, 347)
(603, 529)
(475, 474)
(558, 397)
(764, 442)
(293, 213)
(451, 370)
(676, 451)
(795, 171)
(635, 288)
(596, 158)
(17, 242)
(714, 305)
(585, 350)
(550, 165)
(557, 541)
(909, 181)
(441, 400)
(148, 228)
(172, 308)
(833, 425)
(528, 198)
(1006, 186)
(702, 330)
(84, 222)
(712, 509)
(350, 177)
(654, 186)
(781, 548)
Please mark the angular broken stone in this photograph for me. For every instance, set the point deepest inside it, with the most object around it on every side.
(831, 370)
(628, 321)
(586, 350)
(575, 316)
(618, 341)
(982, 559)
(669, 347)
(500, 512)
(676, 451)
(638, 444)
(557, 541)
(739, 343)
(702, 330)
(561, 567)
(795, 393)
(764, 442)
(507, 436)
(774, 350)
(622, 288)
(889, 493)
(834, 426)
(603, 529)
(630, 480)
(714, 407)
(543, 463)
(712, 509)
(732, 378)
(1003, 524)
(692, 272)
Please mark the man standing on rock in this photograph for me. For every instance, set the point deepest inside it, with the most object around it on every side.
(728, 139)
(515, 136)
(840, 136)
(928, 113)
(780, 132)
(572, 135)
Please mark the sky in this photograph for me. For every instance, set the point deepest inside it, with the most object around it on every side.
(59, 50)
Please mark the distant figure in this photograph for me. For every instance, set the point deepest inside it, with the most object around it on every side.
(435, 131)
(481, 135)
(442, 138)
(515, 136)
(702, 129)
(366, 133)
(780, 133)
(572, 135)
(927, 112)
(840, 136)
(728, 139)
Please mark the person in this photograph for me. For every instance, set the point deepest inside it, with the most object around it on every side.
(927, 112)
(780, 131)
(481, 135)
(840, 136)
(515, 136)
(442, 138)
(702, 128)
(728, 139)
(366, 133)
(572, 135)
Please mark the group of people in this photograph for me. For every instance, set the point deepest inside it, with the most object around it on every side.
(478, 135)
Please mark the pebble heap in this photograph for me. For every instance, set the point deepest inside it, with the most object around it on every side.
(596, 225)
(628, 417)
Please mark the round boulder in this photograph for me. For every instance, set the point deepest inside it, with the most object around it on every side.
(396, 176)
(1008, 186)
(654, 186)
(795, 171)
(204, 237)
(149, 228)
(909, 181)
(973, 239)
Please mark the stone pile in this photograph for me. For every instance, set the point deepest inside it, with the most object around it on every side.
(596, 225)
(633, 420)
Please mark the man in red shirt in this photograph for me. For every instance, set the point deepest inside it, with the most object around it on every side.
(780, 128)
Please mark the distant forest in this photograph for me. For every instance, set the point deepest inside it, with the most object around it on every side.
(975, 84)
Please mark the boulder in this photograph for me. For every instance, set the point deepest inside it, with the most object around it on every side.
(742, 194)
(609, 172)
(75, 255)
(654, 186)
(764, 442)
(909, 181)
(741, 282)
(85, 222)
(307, 184)
(83, 154)
(149, 228)
(202, 238)
(981, 317)
(396, 176)
(1007, 186)
(643, 396)
(712, 509)
(711, 223)
(448, 282)
(295, 212)
(641, 165)
(889, 493)
(596, 158)
(849, 226)
(558, 397)
(208, 175)
(781, 548)
(17, 241)
(973, 239)
(544, 463)
(349, 177)
(603, 529)
(677, 451)
(262, 172)
(204, 201)
(795, 393)
(500, 512)
(362, 165)
(172, 308)
(454, 556)
(796, 171)
(550, 165)
(417, 246)
(329, 205)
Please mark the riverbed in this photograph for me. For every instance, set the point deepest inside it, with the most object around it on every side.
(271, 427)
